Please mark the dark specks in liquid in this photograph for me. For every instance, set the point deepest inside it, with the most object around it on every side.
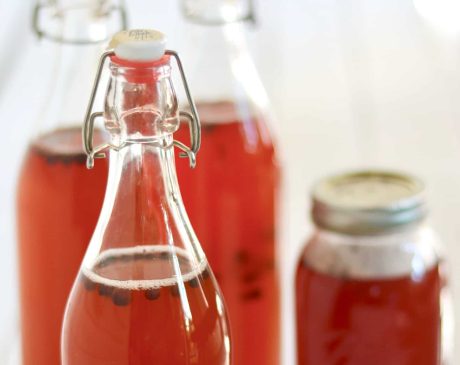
(205, 274)
(208, 127)
(121, 297)
(174, 290)
(105, 290)
(88, 284)
(51, 159)
(194, 283)
(152, 294)
(253, 294)
(242, 257)
(165, 255)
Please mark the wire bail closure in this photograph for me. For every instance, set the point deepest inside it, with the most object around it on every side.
(40, 8)
(192, 118)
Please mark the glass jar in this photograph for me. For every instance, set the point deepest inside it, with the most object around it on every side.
(371, 281)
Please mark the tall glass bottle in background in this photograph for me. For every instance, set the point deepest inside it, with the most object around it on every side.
(58, 200)
(231, 195)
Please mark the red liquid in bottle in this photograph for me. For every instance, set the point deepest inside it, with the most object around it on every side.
(59, 201)
(380, 322)
(230, 199)
(145, 305)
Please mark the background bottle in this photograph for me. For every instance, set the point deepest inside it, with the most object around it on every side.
(371, 282)
(145, 293)
(231, 195)
(58, 200)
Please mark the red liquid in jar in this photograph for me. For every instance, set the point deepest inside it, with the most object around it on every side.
(380, 322)
(59, 201)
(167, 313)
(230, 199)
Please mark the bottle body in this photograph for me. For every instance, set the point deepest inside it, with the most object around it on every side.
(230, 197)
(143, 298)
(387, 315)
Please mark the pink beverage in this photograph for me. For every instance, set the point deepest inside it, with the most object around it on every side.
(59, 202)
(230, 198)
(128, 306)
(398, 311)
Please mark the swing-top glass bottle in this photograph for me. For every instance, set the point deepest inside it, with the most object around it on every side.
(145, 293)
(58, 200)
(231, 196)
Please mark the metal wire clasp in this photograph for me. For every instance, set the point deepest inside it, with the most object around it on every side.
(55, 12)
(191, 117)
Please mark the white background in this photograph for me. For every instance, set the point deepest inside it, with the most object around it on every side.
(357, 83)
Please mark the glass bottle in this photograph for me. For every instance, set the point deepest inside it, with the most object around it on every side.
(231, 195)
(58, 201)
(371, 283)
(145, 293)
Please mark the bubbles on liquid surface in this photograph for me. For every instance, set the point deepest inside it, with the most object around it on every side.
(147, 268)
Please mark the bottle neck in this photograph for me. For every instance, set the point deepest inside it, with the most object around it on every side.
(140, 105)
(73, 35)
(218, 11)
(221, 67)
(143, 205)
(72, 70)
(77, 21)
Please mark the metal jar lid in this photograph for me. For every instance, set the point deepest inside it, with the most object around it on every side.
(368, 202)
